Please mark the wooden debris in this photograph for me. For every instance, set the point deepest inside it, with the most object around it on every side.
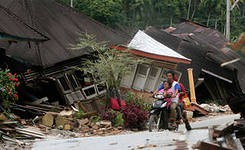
(211, 146)
(66, 113)
(227, 136)
(223, 130)
(196, 107)
(83, 122)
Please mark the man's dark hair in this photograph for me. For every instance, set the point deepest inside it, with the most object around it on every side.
(170, 71)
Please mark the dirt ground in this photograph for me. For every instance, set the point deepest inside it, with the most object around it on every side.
(181, 139)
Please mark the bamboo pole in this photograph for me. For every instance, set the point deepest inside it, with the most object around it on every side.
(191, 85)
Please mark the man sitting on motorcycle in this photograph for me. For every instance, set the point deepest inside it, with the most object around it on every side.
(175, 96)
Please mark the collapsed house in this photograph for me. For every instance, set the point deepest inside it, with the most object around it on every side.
(158, 59)
(13, 30)
(218, 71)
(51, 29)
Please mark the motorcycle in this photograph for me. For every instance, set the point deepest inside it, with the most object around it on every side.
(159, 115)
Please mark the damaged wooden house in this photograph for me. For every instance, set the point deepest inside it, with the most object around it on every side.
(158, 59)
(218, 71)
(46, 30)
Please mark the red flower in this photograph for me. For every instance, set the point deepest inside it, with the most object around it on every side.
(16, 96)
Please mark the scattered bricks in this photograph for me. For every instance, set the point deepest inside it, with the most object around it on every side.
(67, 127)
(60, 121)
(95, 127)
(104, 124)
(48, 120)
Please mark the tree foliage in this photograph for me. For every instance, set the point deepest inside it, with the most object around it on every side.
(163, 13)
(108, 64)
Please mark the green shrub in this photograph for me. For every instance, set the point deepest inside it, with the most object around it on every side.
(137, 100)
(8, 84)
(95, 119)
(118, 121)
(80, 114)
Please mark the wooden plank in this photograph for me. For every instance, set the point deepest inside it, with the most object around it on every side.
(29, 131)
(223, 130)
(211, 146)
(196, 107)
(13, 140)
(8, 123)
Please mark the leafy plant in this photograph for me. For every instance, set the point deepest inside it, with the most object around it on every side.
(95, 119)
(134, 117)
(8, 84)
(132, 98)
(80, 114)
(109, 115)
(115, 117)
(108, 65)
(118, 121)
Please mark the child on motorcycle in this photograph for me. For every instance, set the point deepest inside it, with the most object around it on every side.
(167, 93)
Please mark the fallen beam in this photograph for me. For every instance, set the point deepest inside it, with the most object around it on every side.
(196, 107)
(211, 146)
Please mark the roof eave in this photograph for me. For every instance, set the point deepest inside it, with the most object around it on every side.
(152, 56)
(9, 37)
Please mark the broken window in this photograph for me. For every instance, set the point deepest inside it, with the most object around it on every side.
(73, 81)
(101, 88)
(89, 91)
(64, 85)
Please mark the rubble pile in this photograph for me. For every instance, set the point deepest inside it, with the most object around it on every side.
(213, 108)
(227, 136)
(45, 120)
(14, 131)
(66, 120)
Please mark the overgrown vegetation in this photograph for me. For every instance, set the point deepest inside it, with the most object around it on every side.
(107, 65)
(133, 116)
(163, 13)
(80, 114)
(114, 116)
(8, 84)
(137, 100)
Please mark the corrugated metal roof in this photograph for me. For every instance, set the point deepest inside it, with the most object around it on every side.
(143, 42)
(12, 28)
(62, 25)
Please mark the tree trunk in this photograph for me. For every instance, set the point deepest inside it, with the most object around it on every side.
(216, 23)
(208, 20)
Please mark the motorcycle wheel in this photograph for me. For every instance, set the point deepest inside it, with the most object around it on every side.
(164, 119)
(153, 123)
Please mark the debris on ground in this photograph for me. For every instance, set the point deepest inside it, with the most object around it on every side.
(37, 121)
(14, 132)
(213, 108)
(226, 136)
